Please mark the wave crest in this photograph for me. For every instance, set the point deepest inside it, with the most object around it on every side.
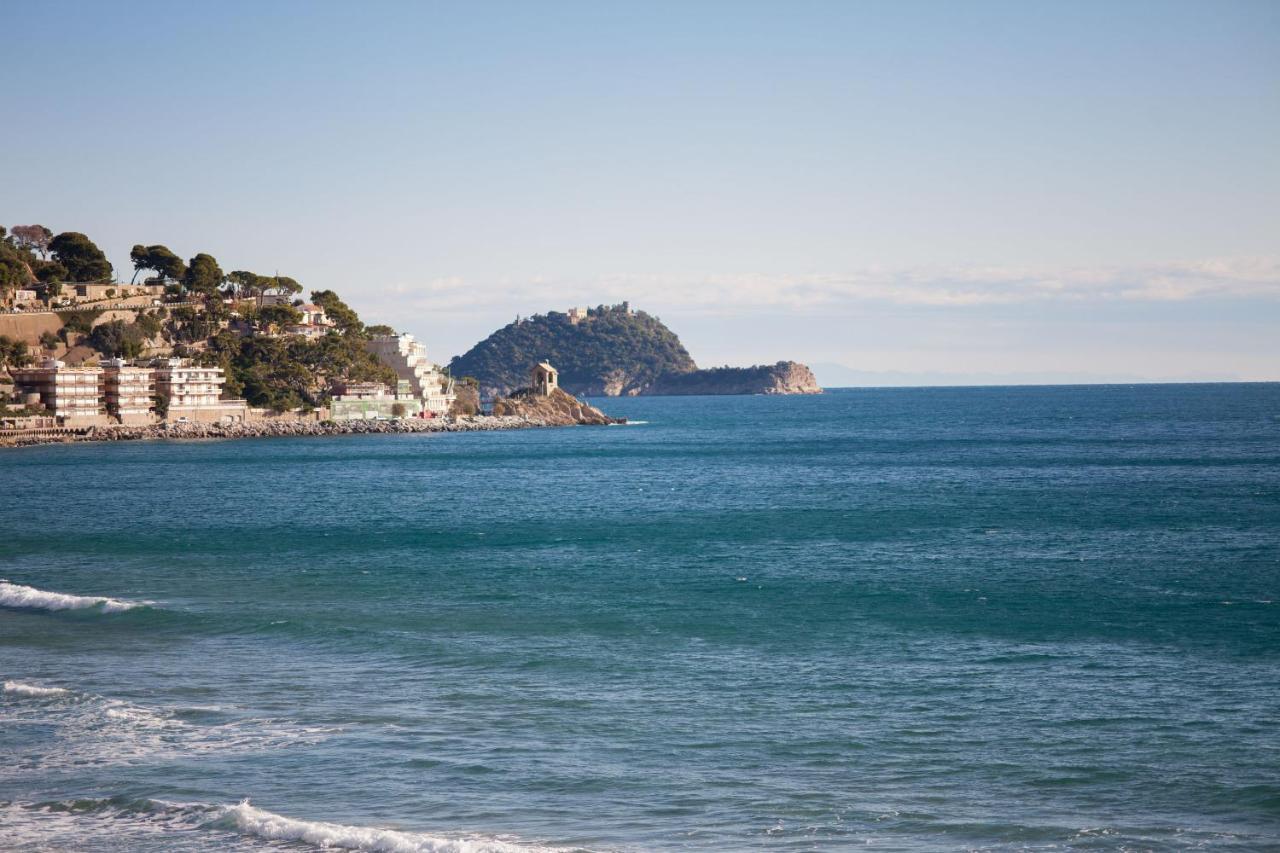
(17, 595)
(274, 827)
(133, 819)
(33, 691)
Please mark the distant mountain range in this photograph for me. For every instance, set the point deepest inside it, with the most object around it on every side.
(613, 351)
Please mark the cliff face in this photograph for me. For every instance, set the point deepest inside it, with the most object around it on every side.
(785, 377)
(556, 409)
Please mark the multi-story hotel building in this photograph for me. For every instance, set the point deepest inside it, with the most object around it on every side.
(128, 392)
(195, 393)
(71, 394)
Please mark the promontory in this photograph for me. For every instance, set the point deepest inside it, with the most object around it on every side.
(611, 351)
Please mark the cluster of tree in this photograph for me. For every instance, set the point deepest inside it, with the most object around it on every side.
(203, 276)
(288, 372)
(125, 340)
(187, 324)
(80, 257)
(467, 399)
(34, 238)
(31, 255)
(613, 348)
(338, 311)
(15, 269)
(242, 283)
(159, 259)
(268, 318)
(13, 353)
(79, 322)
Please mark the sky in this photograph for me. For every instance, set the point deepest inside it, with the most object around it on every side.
(893, 192)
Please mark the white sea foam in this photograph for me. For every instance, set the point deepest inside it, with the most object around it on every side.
(68, 825)
(99, 730)
(273, 827)
(17, 595)
(33, 691)
(238, 827)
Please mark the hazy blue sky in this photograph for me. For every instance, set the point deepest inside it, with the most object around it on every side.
(1070, 189)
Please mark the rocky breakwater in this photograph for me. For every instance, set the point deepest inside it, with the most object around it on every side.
(273, 428)
(559, 408)
(785, 377)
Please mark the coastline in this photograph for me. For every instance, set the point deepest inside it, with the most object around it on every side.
(282, 429)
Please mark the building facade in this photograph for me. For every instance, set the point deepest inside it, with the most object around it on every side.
(73, 395)
(356, 401)
(315, 323)
(195, 393)
(408, 359)
(94, 291)
(128, 392)
(545, 378)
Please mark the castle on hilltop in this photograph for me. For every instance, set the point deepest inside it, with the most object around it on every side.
(577, 315)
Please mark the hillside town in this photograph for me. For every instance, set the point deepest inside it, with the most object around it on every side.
(189, 345)
(55, 395)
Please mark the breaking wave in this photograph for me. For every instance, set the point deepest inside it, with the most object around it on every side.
(273, 827)
(33, 691)
(233, 827)
(28, 597)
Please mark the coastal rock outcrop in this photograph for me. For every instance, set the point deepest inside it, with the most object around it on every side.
(785, 377)
(556, 409)
(614, 351)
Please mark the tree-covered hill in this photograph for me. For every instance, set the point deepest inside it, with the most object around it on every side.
(211, 317)
(610, 351)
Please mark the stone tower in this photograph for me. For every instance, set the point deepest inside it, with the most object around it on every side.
(545, 378)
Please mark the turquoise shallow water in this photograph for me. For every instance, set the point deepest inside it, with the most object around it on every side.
(1043, 618)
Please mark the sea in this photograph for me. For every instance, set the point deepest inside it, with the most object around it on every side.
(1030, 618)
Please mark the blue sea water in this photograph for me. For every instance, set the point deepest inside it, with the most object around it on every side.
(915, 619)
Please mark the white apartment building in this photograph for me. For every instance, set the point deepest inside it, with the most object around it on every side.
(71, 394)
(195, 393)
(128, 392)
(408, 359)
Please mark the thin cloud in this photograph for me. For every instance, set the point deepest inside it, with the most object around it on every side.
(1233, 278)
